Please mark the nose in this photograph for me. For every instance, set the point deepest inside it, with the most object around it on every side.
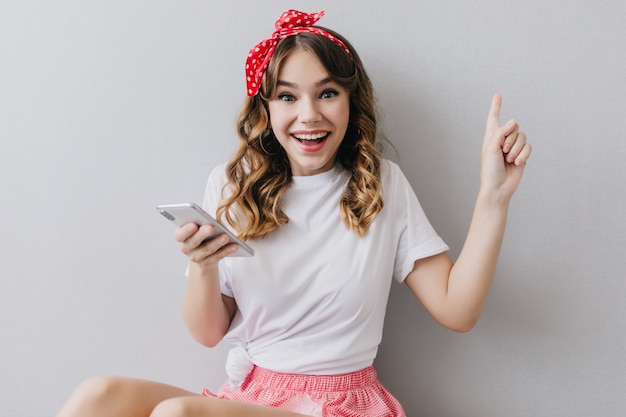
(308, 111)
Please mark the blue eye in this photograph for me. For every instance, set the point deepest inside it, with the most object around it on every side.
(329, 94)
(286, 97)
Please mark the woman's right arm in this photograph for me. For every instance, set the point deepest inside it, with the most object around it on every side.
(207, 312)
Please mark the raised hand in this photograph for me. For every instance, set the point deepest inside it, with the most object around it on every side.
(504, 154)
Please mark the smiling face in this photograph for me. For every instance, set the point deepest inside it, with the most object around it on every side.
(309, 113)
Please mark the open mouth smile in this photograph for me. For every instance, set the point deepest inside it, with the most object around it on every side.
(311, 138)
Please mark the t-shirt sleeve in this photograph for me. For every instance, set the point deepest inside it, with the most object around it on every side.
(213, 189)
(417, 238)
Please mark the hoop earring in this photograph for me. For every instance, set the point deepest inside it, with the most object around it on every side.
(265, 150)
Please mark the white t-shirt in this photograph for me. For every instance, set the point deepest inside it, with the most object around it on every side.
(312, 300)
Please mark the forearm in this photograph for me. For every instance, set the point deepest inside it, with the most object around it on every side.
(206, 313)
(456, 293)
(473, 272)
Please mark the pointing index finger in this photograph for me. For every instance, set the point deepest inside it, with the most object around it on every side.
(493, 119)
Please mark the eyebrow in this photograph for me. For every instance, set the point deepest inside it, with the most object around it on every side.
(293, 85)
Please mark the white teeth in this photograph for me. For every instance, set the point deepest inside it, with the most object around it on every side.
(311, 137)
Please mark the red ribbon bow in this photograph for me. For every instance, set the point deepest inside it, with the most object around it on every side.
(290, 23)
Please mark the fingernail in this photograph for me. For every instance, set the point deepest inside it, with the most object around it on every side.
(506, 147)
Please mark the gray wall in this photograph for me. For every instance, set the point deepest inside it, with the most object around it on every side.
(109, 108)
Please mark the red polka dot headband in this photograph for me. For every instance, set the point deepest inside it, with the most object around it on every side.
(290, 23)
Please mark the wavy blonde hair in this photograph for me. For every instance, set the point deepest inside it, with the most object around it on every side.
(259, 172)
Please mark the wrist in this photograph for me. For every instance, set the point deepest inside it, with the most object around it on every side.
(203, 271)
(493, 199)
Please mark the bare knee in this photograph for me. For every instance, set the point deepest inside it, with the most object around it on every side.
(102, 388)
(94, 394)
(174, 407)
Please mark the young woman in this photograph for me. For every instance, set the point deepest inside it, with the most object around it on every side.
(332, 223)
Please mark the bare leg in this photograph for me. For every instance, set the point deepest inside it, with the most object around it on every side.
(127, 397)
(118, 397)
(215, 407)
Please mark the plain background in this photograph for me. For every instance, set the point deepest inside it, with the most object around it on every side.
(108, 108)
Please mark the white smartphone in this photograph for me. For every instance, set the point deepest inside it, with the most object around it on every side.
(183, 213)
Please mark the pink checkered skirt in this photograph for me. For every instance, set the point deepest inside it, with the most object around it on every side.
(356, 394)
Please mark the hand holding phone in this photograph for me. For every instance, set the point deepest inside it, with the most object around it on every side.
(183, 213)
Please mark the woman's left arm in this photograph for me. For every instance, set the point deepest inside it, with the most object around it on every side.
(455, 294)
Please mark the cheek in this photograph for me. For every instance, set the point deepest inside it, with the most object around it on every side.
(343, 117)
(343, 111)
(277, 118)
